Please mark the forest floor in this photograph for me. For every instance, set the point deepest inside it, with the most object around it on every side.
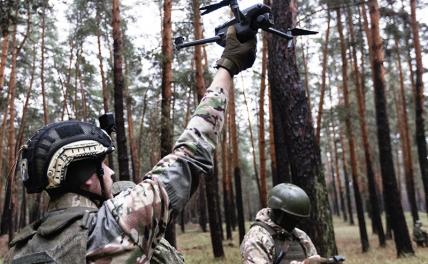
(196, 246)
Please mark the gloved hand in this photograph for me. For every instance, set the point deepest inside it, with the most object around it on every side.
(237, 56)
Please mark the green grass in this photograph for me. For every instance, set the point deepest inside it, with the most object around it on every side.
(196, 246)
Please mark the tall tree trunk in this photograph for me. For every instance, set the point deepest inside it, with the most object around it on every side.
(262, 140)
(4, 52)
(135, 161)
(42, 67)
(215, 230)
(374, 201)
(290, 102)
(233, 217)
(166, 122)
(9, 215)
(122, 152)
(27, 100)
(419, 103)
(202, 206)
(323, 79)
(68, 83)
(351, 140)
(347, 181)
(106, 95)
(236, 167)
(403, 125)
(306, 81)
(226, 183)
(272, 153)
(253, 150)
(392, 198)
(339, 181)
(9, 208)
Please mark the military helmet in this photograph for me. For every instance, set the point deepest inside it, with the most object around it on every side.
(289, 198)
(49, 152)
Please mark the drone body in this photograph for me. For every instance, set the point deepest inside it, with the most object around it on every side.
(246, 22)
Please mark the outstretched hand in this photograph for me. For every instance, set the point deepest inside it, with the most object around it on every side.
(237, 56)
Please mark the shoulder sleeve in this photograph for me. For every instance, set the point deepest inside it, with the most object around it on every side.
(257, 247)
(141, 213)
(306, 241)
(192, 156)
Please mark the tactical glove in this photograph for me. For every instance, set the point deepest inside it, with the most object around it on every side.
(237, 56)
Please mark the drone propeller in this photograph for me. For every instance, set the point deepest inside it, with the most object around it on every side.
(302, 32)
(213, 7)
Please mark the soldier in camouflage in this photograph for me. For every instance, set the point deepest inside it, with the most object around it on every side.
(420, 236)
(84, 222)
(273, 237)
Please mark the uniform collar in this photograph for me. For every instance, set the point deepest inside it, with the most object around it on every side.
(264, 216)
(70, 200)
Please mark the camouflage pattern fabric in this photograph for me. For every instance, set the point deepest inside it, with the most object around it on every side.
(420, 236)
(258, 245)
(138, 216)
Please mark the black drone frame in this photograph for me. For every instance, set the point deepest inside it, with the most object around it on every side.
(247, 23)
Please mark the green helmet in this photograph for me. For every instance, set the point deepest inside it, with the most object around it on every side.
(289, 198)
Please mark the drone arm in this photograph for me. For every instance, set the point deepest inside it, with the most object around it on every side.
(279, 33)
(198, 42)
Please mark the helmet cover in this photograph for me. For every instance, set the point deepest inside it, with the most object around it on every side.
(289, 198)
(49, 152)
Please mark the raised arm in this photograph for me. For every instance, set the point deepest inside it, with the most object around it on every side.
(143, 211)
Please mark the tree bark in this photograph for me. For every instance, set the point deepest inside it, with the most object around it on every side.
(226, 183)
(135, 161)
(323, 79)
(351, 140)
(374, 201)
(42, 67)
(347, 181)
(419, 103)
(215, 230)
(100, 59)
(290, 103)
(122, 152)
(4, 53)
(392, 198)
(236, 167)
(406, 149)
(272, 152)
(9, 208)
(166, 122)
(336, 166)
(253, 150)
(262, 140)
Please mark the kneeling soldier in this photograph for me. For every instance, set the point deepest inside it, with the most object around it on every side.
(273, 237)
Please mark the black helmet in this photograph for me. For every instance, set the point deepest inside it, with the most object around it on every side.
(289, 198)
(49, 152)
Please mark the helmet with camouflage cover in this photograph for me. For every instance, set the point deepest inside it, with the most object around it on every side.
(54, 149)
(289, 198)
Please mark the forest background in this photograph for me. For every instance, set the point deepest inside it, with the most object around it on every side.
(341, 113)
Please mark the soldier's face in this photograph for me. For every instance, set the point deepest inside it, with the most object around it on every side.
(284, 220)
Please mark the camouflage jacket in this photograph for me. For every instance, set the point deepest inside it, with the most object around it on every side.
(258, 245)
(138, 216)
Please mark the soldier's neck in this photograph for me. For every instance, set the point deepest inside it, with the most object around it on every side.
(70, 200)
